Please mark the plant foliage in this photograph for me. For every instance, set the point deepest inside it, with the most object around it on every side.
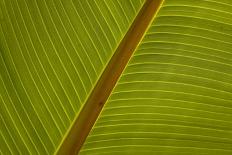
(174, 96)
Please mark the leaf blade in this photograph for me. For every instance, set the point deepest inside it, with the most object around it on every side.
(174, 97)
(48, 50)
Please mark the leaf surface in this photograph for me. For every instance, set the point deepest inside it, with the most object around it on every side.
(52, 54)
(174, 96)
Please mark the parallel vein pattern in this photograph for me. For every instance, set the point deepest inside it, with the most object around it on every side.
(52, 52)
(175, 96)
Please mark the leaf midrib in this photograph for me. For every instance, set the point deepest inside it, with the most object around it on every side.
(83, 123)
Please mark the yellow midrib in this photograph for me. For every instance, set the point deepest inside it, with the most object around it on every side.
(85, 120)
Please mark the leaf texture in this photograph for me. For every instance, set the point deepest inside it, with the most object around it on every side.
(51, 55)
(175, 95)
(173, 98)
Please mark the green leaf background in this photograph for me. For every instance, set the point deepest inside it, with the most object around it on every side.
(52, 53)
(175, 95)
(173, 98)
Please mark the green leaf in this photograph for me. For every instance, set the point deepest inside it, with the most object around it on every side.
(52, 54)
(173, 98)
(175, 95)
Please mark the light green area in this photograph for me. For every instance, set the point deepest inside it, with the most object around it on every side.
(175, 96)
(52, 52)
